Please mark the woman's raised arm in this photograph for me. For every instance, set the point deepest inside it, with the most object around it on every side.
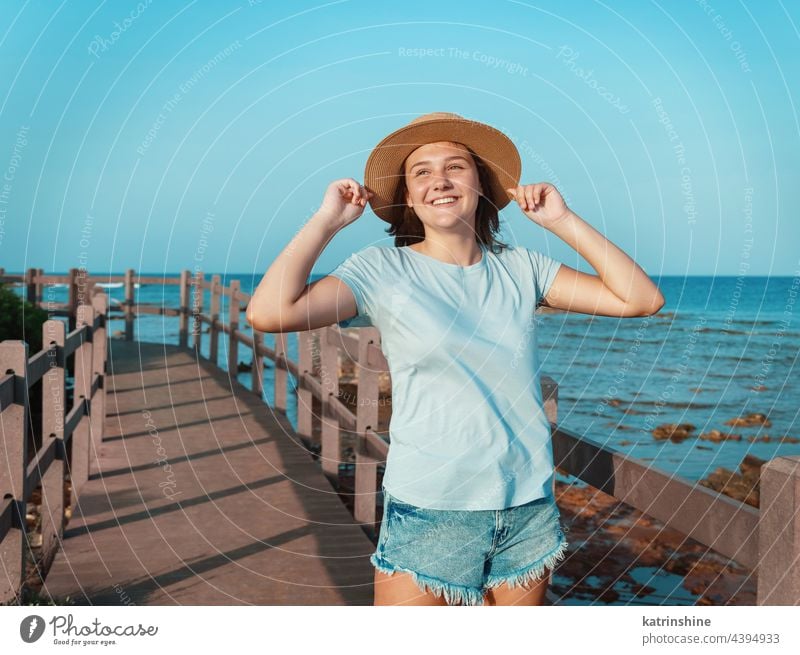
(621, 288)
(283, 301)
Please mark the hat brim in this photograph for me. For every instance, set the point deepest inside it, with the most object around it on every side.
(383, 171)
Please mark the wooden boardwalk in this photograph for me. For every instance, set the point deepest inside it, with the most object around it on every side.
(251, 518)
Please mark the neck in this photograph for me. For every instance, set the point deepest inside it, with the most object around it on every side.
(462, 250)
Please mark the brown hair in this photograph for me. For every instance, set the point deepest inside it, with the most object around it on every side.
(406, 228)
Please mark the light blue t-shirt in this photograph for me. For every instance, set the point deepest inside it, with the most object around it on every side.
(468, 429)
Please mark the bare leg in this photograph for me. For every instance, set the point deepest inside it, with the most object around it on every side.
(531, 594)
(400, 589)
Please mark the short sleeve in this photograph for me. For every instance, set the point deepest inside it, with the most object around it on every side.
(544, 272)
(360, 272)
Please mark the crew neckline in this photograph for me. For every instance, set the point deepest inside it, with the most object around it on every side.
(451, 267)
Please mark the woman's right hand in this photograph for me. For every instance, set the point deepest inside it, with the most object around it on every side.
(344, 202)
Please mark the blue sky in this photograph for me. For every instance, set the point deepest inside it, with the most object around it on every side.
(158, 135)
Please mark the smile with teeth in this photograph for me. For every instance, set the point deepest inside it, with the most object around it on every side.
(444, 201)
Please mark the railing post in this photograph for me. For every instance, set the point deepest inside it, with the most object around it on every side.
(14, 360)
(79, 464)
(331, 448)
(257, 370)
(53, 410)
(213, 349)
(779, 532)
(549, 389)
(233, 327)
(281, 379)
(39, 286)
(550, 397)
(72, 290)
(197, 312)
(129, 305)
(366, 479)
(305, 397)
(183, 330)
(99, 362)
(30, 284)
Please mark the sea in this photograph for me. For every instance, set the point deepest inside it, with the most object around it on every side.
(720, 348)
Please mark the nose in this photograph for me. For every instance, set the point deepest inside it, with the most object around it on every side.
(442, 182)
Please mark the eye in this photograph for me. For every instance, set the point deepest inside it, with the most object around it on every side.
(425, 170)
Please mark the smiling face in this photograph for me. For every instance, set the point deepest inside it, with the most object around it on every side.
(442, 184)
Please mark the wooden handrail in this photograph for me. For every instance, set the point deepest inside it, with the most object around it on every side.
(47, 468)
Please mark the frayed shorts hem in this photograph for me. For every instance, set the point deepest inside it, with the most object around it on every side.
(530, 573)
(453, 593)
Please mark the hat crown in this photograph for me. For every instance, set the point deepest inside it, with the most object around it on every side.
(436, 115)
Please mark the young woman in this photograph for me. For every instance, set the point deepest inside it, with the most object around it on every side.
(469, 511)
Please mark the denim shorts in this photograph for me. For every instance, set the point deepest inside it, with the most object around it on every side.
(462, 553)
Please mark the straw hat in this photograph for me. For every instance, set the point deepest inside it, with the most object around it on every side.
(384, 169)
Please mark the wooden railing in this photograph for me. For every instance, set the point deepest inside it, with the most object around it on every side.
(64, 445)
(766, 540)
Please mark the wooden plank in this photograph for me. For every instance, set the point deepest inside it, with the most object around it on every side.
(72, 294)
(281, 364)
(99, 361)
(257, 370)
(331, 418)
(48, 280)
(38, 365)
(7, 511)
(73, 418)
(375, 446)
(6, 391)
(54, 409)
(74, 339)
(159, 281)
(197, 311)
(243, 338)
(305, 397)
(242, 296)
(183, 324)
(79, 465)
(39, 286)
(38, 466)
(213, 350)
(266, 351)
(233, 326)
(332, 406)
(30, 283)
(128, 304)
(349, 343)
(366, 483)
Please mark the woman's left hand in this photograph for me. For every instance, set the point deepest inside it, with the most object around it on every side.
(540, 202)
